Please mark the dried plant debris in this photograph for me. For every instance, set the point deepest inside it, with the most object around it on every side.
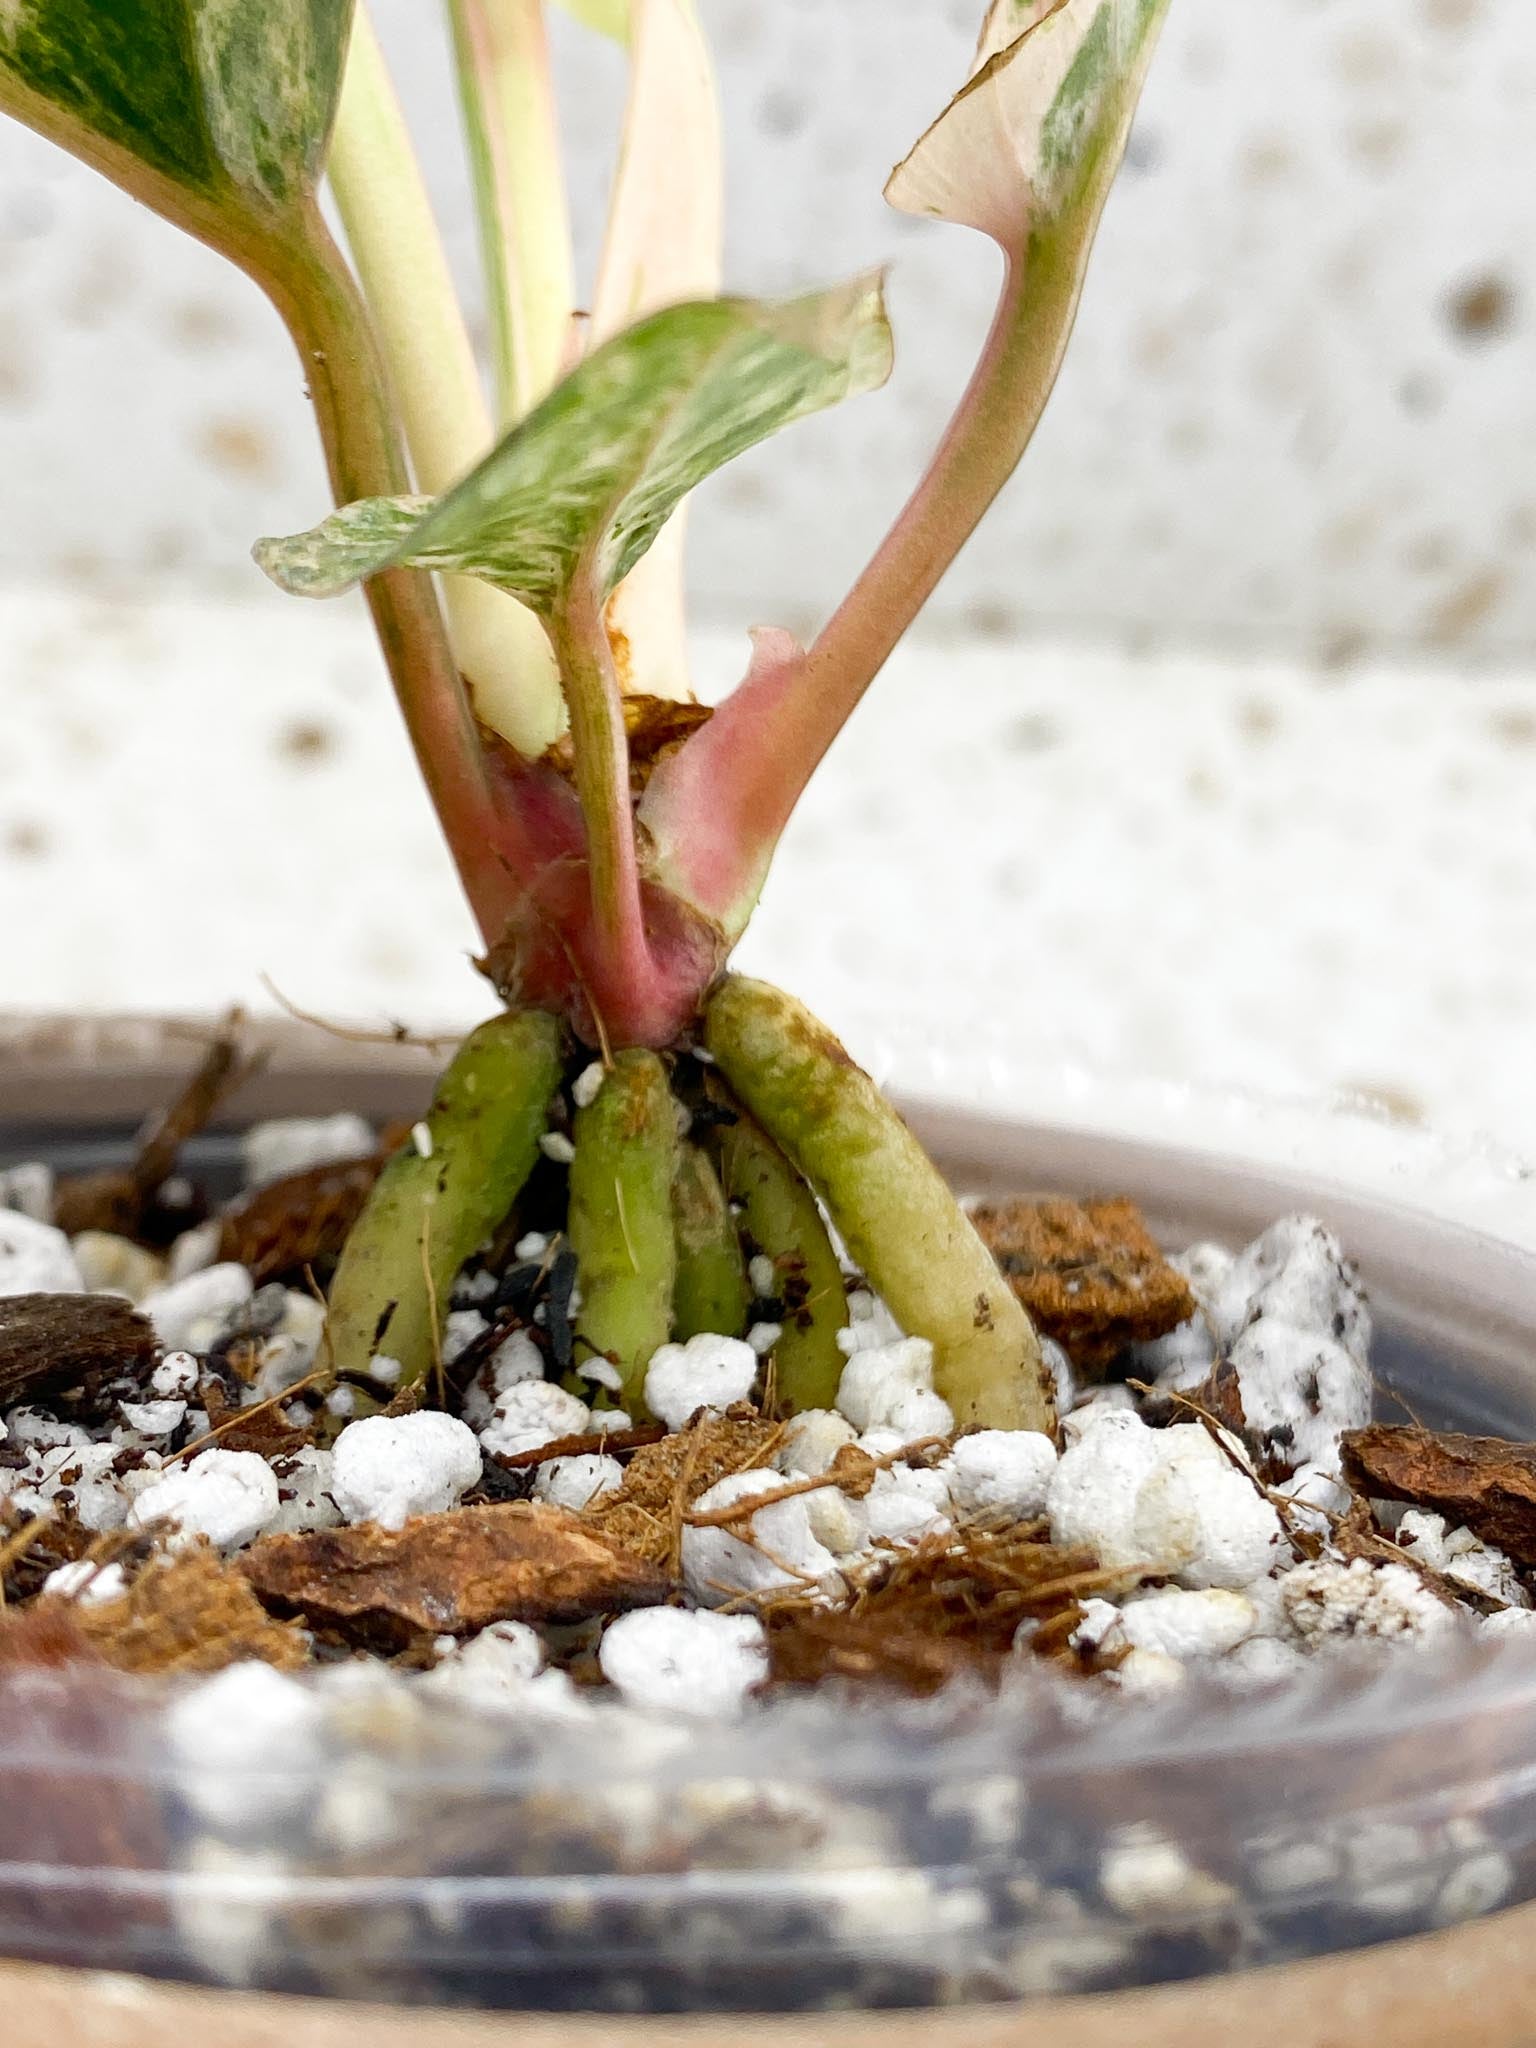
(300, 1222)
(178, 1616)
(134, 1201)
(1480, 1482)
(58, 1343)
(263, 1427)
(450, 1574)
(664, 1479)
(1089, 1273)
(957, 1602)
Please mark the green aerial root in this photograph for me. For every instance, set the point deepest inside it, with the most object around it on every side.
(431, 1207)
(780, 1216)
(900, 1221)
(710, 1291)
(620, 1217)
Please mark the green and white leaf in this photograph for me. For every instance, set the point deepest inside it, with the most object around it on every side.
(591, 476)
(608, 17)
(1037, 131)
(215, 112)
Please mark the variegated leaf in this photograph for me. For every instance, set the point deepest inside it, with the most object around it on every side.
(592, 474)
(215, 112)
(1036, 133)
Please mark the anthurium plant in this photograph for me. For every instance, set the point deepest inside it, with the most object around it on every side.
(521, 550)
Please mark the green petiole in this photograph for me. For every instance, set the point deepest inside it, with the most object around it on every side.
(443, 1195)
(620, 1217)
(780, 1216)
(710, 1291)
(900, 1222)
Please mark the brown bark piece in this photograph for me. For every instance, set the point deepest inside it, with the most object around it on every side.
(450, 1574)
(1482, 1482)
(50, 1342)
(301, 1220)
(1089, 1274)
(192, 1613)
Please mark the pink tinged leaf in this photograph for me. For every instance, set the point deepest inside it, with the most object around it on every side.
(711, 809)
(1026, 152)
(663, 245)
(1051, 80)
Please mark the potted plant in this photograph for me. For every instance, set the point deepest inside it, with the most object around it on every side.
(649, 1179)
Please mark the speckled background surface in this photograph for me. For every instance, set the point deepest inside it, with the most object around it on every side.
(1299, 404)
(1249, 789)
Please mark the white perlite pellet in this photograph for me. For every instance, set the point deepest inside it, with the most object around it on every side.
(575, 1483)
(305, 1500)
(189, 1314)
(175, 1376)
(227, 1496)
(1170, 1500)
(35, 1258)
(86, 1582)
(677, 1662)
(249, 1739)
(531, 1413)
(1186, 1624)
(584, 1089)
(387, 1468)
(812, 1440)
(296, 1144)
(771, 1549)
(878, 1378)
(1327, 1599)
(28, 1187)
(153, 1418)
(1462, 1557)
(1001, 1472)
(707, 1372)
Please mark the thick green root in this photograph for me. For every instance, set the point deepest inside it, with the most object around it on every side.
(620, 1218)
(899, 1220)
(434, 1205)
(710, 1291)
(781, 1218)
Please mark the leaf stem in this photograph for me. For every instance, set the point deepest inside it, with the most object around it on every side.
(662, 244)
(600, 745)
(501, 50)
(980, 450)
(309, 285)
(400, 259)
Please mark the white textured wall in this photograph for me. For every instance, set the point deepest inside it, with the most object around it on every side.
(1301, 406)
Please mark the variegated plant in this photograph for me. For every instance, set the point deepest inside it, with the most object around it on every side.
(522, 555)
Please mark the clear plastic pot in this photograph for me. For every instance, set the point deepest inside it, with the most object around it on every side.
(820, 1855)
